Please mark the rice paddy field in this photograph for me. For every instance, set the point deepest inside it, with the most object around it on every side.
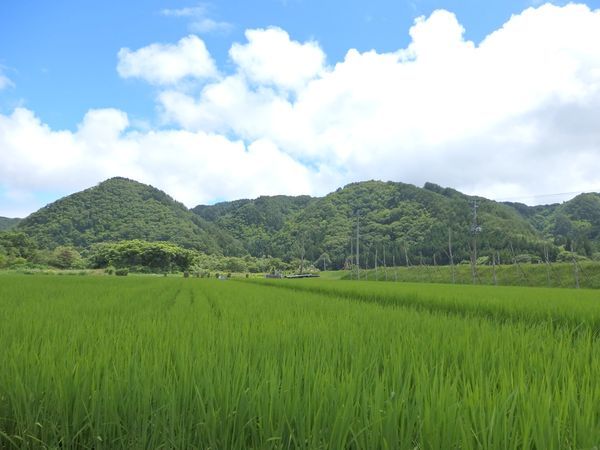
(173, 363)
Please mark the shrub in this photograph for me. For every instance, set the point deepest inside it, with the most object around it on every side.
(566, 256)
(122, 272)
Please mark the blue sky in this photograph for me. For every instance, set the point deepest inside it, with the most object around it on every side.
(60, 59)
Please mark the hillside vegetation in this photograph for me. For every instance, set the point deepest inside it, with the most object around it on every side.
(8, 224)
(408, 222)
(121, 209)
(399, 224)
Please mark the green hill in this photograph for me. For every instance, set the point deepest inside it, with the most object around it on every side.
(573, 223)
(402, 220)
(399, 223)
(255, 222)
(8, 224)
(121, 209)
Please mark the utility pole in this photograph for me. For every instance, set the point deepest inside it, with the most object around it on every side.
(475, 230)
(384, 263)
(575, 267)
(357, 245)
(450, 255)
(351, 254)
(547, 261)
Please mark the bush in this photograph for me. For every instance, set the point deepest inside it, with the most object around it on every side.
(110, 270)
(186, 274)
(483, 261)
(566, 256)
(526, 258)
(122, 272)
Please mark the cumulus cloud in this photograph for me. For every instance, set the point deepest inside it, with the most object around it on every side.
(162, 64)
(271, 57)
(194, 167)
(480, 117)
(513, 115)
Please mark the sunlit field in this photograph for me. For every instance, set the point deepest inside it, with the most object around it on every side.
(144, 362)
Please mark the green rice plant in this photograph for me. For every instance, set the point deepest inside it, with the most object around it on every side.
(155, 362)
(555, 307)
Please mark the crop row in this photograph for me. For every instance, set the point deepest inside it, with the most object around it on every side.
(575, 309)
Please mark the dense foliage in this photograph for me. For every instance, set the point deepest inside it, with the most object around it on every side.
(400, 224)
(141, 256)
(574, 224)
(120, 209)
(155, 362)
(255, 222)
(8, 224)
(17, 250)
(409, 224)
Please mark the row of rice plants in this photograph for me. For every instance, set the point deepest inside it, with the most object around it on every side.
(190, 363)
(558, 307)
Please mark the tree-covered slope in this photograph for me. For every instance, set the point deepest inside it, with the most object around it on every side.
(407, 223)
(254, 222)
(403, 220)
(121, 209)
(573, 223)
(8, 224)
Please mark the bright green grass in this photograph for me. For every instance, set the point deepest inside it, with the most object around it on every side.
(542, 275)
(102, 362)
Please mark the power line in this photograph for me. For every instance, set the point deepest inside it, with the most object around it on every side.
(544, 195)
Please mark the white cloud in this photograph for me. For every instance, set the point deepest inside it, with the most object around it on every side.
(4, 80)
(193, 167)
(442, 109)
(270, 57)
(200, 20)
(190, 11)
(168, 64)
(514, 115)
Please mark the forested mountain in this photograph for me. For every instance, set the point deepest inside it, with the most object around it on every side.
(400, 223)
(404, 221)
(573, 223)
(8, 224)
(121, 209)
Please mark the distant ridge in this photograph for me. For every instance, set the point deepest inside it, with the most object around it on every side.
(409, 224)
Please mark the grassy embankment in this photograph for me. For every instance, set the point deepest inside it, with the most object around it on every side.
(553, 275)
